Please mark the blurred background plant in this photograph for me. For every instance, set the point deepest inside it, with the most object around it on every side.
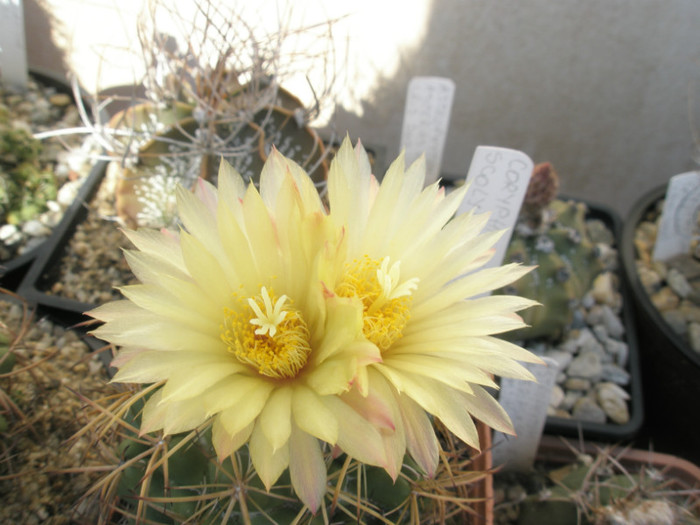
(213, 89)
(603, 486)
(553, 234)
(25, 186)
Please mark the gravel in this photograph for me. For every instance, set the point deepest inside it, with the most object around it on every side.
(43, 473)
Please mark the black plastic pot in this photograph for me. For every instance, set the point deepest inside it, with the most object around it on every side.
(12, 271)
(611, 432)
(48, 261)
(670, 368)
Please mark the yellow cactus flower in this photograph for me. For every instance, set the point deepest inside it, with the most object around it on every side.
(417, 271)
(289, 325)
(233, 318)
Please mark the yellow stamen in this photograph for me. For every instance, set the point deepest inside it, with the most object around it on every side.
(386, 300)
(279, 347)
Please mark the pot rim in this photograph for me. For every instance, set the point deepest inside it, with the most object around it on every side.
(628, 252)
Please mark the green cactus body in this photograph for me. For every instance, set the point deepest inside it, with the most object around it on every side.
(601, 491)
(567, 263)
(177, 479)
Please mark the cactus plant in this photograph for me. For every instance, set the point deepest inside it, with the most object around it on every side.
(178, 479)
(182, 147)
(602, 488)
(25, 187)
(551, 234)
(214, 91)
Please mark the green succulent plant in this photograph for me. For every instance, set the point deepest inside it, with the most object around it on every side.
(599, 490)
(551, 234)
(25, 188)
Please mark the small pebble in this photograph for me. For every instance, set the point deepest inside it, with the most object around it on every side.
(613, 400)
(586, 409)
(586, 365)
(665, 299)
(678, 283)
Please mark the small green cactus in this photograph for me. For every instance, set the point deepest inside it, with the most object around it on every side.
(24, 187)
(551, 234)
(600, 490)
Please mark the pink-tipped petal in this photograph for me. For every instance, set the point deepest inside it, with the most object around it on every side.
(307, 468)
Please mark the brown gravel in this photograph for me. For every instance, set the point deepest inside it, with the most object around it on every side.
(93, 263)
(36, 452)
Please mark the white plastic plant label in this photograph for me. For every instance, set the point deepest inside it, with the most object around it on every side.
(13, 51)
(425, 121)
(679, 217)
(498, 179)
(526, 403)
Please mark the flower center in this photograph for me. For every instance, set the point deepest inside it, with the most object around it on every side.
(385, 298)
(269, 334)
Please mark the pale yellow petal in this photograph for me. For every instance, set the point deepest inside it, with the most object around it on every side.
(153, 366)
(269, 462)
(349, 187)
(343, 326)
(261, 233)
(438, 399)
(421, 441)
(235, 245)
(356, 436)
(198, 219)
(206, 192)
(504, 348)
(471, 326)
(149, 269)
(312, 416)
(226, 444)
(277, 168)
(231, 184)
(239, 415)
(173, 417)
(485, 408)
(474, 284)
(206, 270)
(158, 333)
(276, 418)
(307, 468)
(153, 414)
(189, 382)
(458, 373)
(468, 310)
(165, 303)
(182, 416)
(114, 310)
(163, 246)
(229, 393)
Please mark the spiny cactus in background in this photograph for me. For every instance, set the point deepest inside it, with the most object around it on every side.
(551, 234)
(213, 89)
(178, 479)
(24, 187)
(600, 490)
(183, 144)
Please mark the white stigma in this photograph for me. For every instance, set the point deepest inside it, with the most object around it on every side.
(273, 315)
(388, 278)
